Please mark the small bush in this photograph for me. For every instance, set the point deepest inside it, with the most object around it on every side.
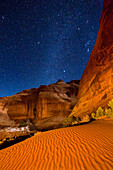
(78, 119)
(93, 115)
(110, 104)
(23, 123)
(100, 112)
(67, 121)
(104, 112)
(108, 112)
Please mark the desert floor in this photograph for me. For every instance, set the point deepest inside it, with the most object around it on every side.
(84, 147)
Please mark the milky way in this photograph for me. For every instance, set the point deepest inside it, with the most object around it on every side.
(42, 41)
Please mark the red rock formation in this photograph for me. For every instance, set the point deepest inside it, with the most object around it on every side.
(54, 101)
(96, 85)
(4, 118)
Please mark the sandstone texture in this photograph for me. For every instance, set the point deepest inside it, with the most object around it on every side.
(96, 84)
(4, 118)
(47, 103)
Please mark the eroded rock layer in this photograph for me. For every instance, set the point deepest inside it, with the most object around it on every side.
(96, 85)
(38, 104)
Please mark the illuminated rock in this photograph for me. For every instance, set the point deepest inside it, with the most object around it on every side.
(54, 101)
(96, 85)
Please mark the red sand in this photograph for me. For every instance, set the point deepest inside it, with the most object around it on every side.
(84, 147)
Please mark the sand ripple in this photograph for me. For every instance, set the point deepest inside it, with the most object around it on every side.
(84, 147)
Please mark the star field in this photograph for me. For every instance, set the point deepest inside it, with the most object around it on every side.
(42, 41)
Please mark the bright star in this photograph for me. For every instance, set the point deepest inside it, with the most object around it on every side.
(3, 17)
(88, 50)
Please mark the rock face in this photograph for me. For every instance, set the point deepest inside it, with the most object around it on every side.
(4, 118)
(96, 85)
(54, 101)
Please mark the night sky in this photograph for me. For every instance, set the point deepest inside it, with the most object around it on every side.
(42, 41)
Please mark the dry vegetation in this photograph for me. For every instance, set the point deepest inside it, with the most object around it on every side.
(104, 111)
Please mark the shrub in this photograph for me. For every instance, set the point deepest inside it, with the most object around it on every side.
(108, 112)
(110, 104)
(23, 123)
(78, 119)
(100, 112)
(104, 112)
(67, 121)
(93, 115)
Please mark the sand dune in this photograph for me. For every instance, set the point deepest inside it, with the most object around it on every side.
(84, 147)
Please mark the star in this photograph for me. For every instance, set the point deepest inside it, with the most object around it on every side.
(87, 43)
(3, 17)
(44, 41)
(87, 50)
(87, 21)
(64, 37)
(38, 42)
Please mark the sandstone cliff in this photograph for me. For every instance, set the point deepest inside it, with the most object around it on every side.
(96, 85)
(4, 118)
(47, 103)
